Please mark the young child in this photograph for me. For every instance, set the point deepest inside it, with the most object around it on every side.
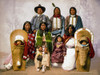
(17, 52)
(8, 62)
(42, 58)
(59, 51)
(84, 43)
(84, 53)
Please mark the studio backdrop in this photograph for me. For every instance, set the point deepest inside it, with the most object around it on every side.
(13, 14)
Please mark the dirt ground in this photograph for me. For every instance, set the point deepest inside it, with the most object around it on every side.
(30, 69)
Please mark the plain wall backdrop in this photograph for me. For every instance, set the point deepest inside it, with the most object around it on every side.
(13, 14)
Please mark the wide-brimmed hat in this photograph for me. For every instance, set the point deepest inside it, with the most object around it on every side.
(39, 6)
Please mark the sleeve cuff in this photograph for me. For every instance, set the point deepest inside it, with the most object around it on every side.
(24, 57)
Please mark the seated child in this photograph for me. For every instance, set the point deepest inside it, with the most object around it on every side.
(59, 51)
(42, 58)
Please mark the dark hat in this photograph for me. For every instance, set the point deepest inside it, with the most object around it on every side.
(39, 6)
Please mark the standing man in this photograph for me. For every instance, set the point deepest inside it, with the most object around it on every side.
(58, 22)
(40, 17)
(73, 19)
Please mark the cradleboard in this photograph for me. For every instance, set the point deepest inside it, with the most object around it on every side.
(17, 51)
(83, 59)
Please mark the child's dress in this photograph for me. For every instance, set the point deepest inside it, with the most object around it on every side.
(58, 51)
(45, 59)
(37, 63)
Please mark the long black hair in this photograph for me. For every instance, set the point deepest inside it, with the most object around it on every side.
(30, 30)
(40, 30)
(67, 30)
(58, 9)
(74, 9)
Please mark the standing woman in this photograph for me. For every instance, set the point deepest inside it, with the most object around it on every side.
(69, 59)
(73, 19)
(30, 52)
(58, 22)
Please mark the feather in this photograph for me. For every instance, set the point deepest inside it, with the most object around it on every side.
(53, 5)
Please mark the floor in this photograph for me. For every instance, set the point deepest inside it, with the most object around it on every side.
(30, 70)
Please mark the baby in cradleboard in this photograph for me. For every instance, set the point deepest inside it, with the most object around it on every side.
(15, 58)
(17, 53)
(84, 53)
(42, 58)
(8, 62)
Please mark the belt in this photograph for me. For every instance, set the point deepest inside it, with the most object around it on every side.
(70, 46)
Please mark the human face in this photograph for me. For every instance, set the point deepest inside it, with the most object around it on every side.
(27, 26)
(57, 11)
(84, 43)
(72, 12)
(43, 27)
(39, 11)
(18, 42)
(70, 30)
(59, 39)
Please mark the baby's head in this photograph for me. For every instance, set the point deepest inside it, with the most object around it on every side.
(83, 42)
(18, 42)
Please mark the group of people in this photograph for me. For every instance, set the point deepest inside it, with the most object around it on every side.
(50, 41)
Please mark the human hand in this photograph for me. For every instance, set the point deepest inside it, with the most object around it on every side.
(45, 50)
(40, 49)
(34, 31)
(44, 38)
(64, 54)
